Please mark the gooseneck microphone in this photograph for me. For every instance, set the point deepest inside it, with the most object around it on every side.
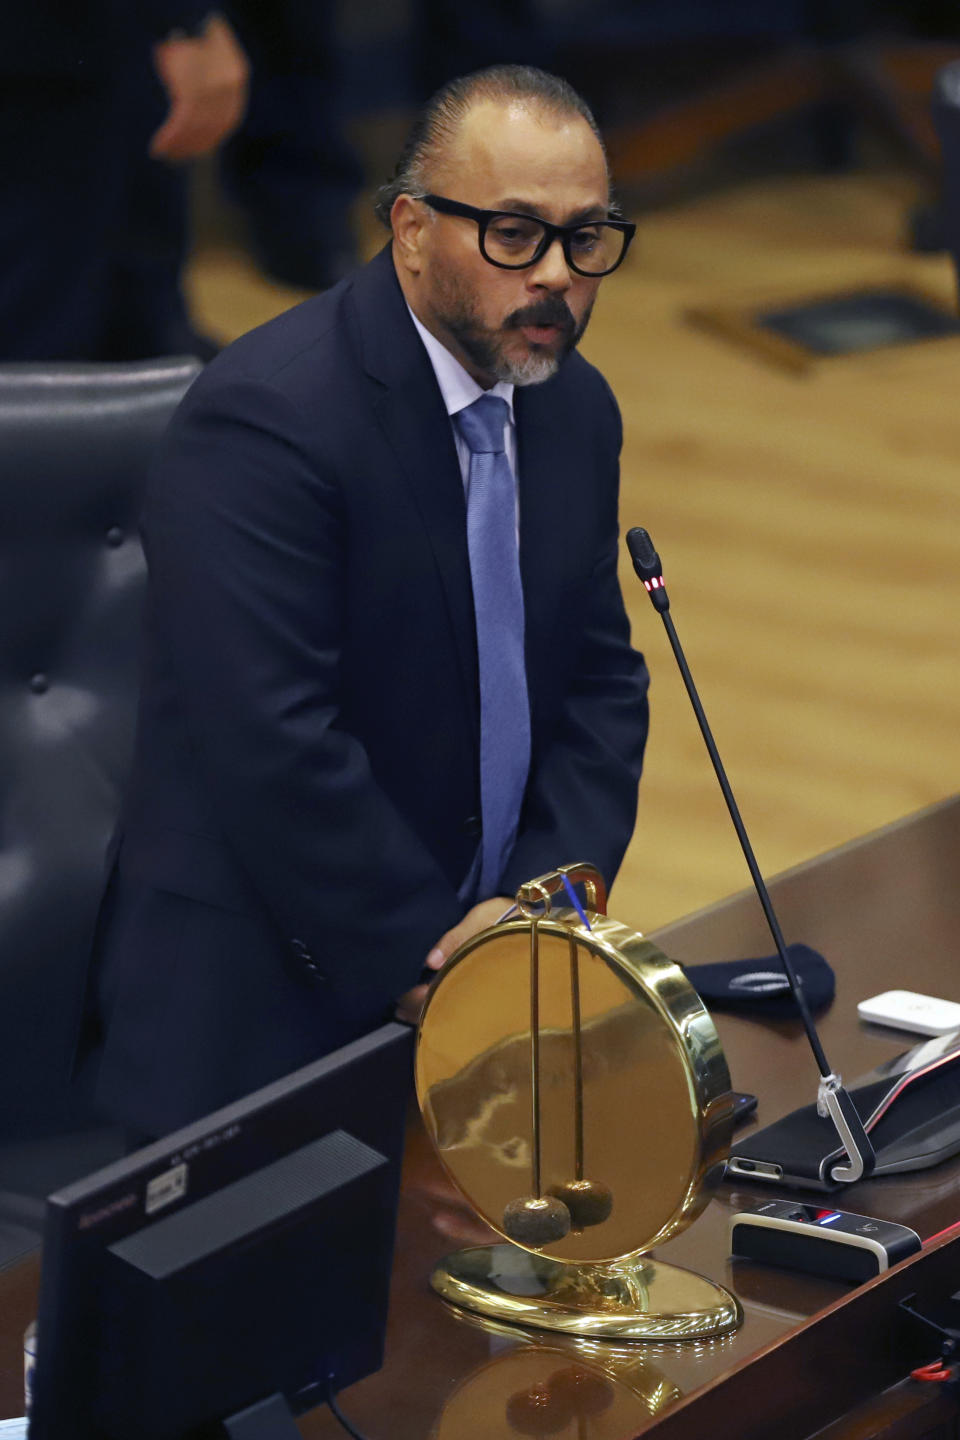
(832, 1098)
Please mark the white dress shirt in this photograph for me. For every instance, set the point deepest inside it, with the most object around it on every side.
(459, 389)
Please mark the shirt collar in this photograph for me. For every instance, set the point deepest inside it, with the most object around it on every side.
(458, 388)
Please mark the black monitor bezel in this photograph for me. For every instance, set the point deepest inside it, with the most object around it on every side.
(362, 1088)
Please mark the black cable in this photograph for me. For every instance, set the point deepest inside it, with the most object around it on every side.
(338, 1413)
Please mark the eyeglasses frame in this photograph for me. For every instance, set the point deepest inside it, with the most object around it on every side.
(563, 233)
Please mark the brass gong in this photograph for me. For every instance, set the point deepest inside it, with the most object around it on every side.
(576, 1092)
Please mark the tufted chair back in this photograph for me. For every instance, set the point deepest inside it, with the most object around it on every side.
(75, 442)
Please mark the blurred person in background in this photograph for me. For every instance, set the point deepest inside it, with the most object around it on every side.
(102, 105)
(450, 39)
(289, 167)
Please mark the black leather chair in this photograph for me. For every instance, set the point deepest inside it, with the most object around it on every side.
(75, 442)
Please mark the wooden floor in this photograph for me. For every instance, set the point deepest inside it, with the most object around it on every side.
(809, 529)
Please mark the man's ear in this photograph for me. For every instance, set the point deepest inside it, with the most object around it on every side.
(409, 225)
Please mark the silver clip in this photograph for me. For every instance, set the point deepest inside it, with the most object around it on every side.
(829, 1105)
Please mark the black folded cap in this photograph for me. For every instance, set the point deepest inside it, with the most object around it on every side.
(761, 988)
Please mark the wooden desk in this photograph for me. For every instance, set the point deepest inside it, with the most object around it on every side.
(811, 1354)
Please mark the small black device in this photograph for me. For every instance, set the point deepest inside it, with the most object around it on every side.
(820, 1240)
(744, 1105)
(234, 1273)
(910, 1107)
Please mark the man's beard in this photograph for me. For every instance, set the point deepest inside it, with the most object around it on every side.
(486, 347)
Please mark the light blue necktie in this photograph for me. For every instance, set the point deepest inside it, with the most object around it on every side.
(498, 604)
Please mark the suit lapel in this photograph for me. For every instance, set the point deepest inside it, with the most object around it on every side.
(413, 418)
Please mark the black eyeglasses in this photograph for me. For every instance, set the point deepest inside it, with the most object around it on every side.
(514, 242)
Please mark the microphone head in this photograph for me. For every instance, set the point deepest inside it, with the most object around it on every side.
(646, 562)
(645, 559)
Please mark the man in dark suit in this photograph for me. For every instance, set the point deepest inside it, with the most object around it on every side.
(338, 775)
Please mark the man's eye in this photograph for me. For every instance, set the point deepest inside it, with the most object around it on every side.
(514, 232)
(585, 239)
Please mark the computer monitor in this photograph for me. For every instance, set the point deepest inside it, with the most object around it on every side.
(233, 1271)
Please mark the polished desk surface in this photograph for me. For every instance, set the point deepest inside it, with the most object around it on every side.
(885, 911)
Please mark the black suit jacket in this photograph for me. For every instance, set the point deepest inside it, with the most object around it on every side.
(305, 796)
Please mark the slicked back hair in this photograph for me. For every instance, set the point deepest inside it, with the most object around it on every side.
(438, 121)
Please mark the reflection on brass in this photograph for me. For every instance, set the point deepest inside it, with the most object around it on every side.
(632, 1299)
(577, 1062)
(545, 1390)
(536, 1219)
(577, 1056)
(588, 1202)
(622, 1359)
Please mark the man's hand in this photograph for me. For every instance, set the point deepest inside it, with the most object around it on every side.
(487, 913)
(206, 79)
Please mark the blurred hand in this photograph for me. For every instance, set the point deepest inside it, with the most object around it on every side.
(487, 913)
(206, 80)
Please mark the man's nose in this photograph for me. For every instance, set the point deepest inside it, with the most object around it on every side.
(551, 270)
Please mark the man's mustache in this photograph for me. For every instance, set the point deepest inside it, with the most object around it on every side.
(551, 310)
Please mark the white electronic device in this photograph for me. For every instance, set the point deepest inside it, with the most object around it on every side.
(906, 1010)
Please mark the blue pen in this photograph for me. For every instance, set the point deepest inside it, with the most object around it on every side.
(572, 896)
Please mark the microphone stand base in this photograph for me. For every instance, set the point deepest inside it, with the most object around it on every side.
(629, 1299)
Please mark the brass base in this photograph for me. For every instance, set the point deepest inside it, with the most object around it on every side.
(633, 1299)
